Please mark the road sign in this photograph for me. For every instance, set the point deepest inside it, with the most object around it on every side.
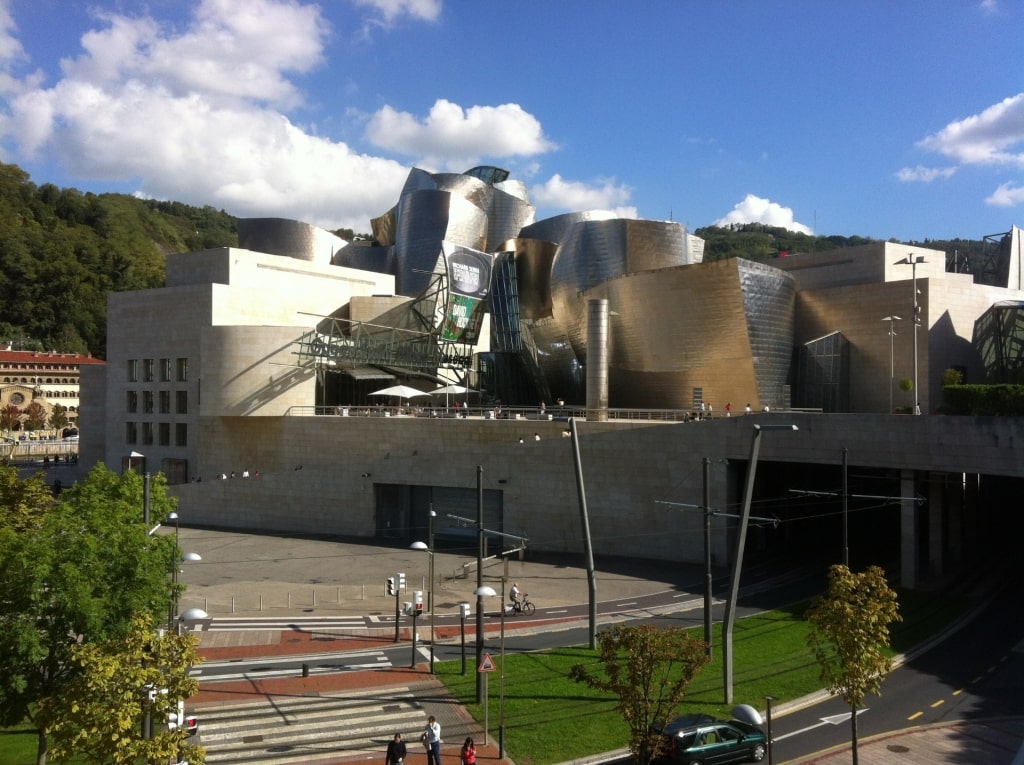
(487, 665)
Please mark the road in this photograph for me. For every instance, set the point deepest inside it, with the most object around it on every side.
(977, 673)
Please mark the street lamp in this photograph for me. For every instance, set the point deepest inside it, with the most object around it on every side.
(488, 592)
(737, 562)
(189, 557)
(912, 260)
(429, 549)
(892, 367)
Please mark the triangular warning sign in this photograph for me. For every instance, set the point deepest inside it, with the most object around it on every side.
(487, 665)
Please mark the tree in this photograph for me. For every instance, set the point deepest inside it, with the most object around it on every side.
(649, 670)
(35, 416)
(23, 503)
(101, 713)
(58, 417)
(849, 630)
(80, 577)
(10, 416)
(952, 376)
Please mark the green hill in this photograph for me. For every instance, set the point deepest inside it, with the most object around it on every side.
(62, 251)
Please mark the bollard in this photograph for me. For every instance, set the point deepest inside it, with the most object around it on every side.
(305, 670)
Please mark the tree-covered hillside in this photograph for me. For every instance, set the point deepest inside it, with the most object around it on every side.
(62, 251)
(757, 241)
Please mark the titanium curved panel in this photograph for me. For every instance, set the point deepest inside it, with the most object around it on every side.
(595, 251)
(380, 260)
(514, 188)
(471, 189)
(424, 220)
(769, 297)
(418, 180)
(678, 328)
(288, 238)
(533, 259)
(556, 228)
(383, 228)
(506, 217)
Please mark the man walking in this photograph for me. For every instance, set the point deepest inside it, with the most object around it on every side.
(431, 739)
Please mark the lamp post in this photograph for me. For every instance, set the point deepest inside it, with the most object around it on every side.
(486, 591)
(892, 358)
(429, 549)
(912, 260)
(179, 558)
(737, 562)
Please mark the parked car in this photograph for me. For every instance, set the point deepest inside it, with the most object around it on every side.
(703, 740)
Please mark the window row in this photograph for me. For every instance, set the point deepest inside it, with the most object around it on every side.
(41, 381)
(150, 367)
(153, 401)
(46, 367)
(148, 433)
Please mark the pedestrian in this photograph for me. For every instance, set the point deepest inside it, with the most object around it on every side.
(468, 754)
(748, 410)
(396, 751)
(728, 409)
(431, 739)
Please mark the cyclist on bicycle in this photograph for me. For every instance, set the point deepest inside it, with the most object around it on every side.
(513, 595)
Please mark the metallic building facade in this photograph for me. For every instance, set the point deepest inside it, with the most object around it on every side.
(675, 324)
(289, 238)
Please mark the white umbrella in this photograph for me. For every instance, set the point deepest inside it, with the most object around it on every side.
(400, 391)
(452, 390)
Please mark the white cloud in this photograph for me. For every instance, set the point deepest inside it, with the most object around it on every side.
(1007, 195)
(197, 113)
(983, 139)
(754, 209)
(457, 137)
(561, 194)
(923, 174)
(391, 10)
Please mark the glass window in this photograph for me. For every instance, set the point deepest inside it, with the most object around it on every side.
(131, 432)
(164, 432)
(181, 434)
(147, 370)
(182, 370)
(165, 370)
(165, 402)
(181, 401)
(132, 401)
(147, 401)
(147, 433)
(133, 370)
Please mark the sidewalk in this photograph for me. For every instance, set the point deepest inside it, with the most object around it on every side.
(263, 576)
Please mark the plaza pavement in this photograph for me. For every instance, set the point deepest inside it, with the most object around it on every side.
(268, 576)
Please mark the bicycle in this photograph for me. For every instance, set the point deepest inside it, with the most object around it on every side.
(523, 606)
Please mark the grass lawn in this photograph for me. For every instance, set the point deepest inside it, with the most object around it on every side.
(549, 718)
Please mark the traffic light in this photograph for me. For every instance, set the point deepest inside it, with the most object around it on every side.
(391, 586)
(419, 609)
(401, 581)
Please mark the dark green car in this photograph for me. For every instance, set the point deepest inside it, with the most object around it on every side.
(702, 740)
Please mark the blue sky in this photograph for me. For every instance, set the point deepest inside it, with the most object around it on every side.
(875, 118)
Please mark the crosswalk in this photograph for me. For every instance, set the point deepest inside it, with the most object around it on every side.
(309, 729)
(245, 623)
(290, 665)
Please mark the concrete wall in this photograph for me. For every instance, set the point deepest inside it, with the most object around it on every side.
(318, 474)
